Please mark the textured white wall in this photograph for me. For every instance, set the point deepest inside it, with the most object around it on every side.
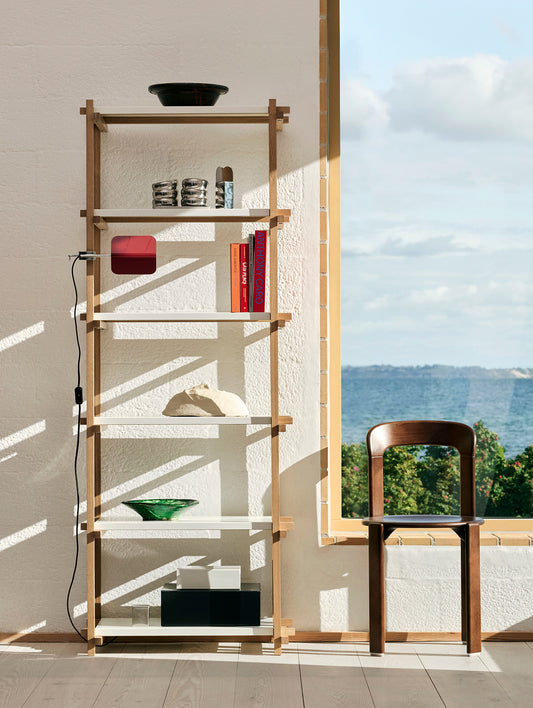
(55, 55)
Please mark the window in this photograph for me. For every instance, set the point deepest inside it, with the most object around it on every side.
(436, 257)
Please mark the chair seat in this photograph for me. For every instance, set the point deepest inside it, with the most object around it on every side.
(420, 521)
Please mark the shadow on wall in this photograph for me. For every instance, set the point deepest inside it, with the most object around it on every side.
(328, 589)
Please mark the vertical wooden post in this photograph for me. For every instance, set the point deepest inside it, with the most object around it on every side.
(97, 379)
(91, 131)
(376, 588)
(274, 374)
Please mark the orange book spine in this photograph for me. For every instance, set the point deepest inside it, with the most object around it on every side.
(235, 275)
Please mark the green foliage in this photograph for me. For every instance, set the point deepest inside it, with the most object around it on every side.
(425, 480)
(354, 481)
(402, 486)
(490, 462)
(438, 468)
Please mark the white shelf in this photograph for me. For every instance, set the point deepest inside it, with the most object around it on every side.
(212, 523)
(184, 420)
(122, 627)
(188, 213)
(182, 316)
(190, 111)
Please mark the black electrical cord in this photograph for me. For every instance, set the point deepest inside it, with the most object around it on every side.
(78, 397)
(76, 454)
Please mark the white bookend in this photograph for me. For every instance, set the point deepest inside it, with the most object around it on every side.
(210, 577)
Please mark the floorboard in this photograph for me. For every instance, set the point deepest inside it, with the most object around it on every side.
(459, 677)
(511, 664)
(22, 668)
(204, 676)
(268, 681)
(74, 681)
(398, 679)
(332, 676)
(140, 677)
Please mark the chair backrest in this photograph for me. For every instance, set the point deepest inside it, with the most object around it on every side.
(421, 432)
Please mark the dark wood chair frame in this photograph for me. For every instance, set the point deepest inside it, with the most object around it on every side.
(466, 526)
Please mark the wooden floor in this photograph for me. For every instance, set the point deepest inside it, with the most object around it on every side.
(228, 675)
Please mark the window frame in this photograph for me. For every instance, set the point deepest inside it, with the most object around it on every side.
(335, 528)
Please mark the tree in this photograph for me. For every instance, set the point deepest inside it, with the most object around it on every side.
(439, 472)
(403, 490)
(490, 462)
(354, 467)
(512, 493)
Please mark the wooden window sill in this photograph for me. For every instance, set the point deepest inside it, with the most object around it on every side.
(431, 538)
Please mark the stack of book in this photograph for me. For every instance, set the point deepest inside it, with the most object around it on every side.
(248, 273)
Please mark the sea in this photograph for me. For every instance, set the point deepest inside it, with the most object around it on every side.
(501, 398)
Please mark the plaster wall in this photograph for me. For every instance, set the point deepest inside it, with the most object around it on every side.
(55, 55)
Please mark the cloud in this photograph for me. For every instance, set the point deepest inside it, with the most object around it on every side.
(401, 248)
(361, 109)
(471, 98)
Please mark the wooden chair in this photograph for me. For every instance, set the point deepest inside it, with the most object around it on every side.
(466, 526)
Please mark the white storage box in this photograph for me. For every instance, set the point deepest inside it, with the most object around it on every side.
(210, 577)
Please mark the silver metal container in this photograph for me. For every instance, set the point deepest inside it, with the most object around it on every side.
(165, 194)
(194, 192)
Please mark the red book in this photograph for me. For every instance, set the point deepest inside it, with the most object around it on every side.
(244, 277)
(260, 259)
(235, 274)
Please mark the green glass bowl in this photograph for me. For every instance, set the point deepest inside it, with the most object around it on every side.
(160, 509)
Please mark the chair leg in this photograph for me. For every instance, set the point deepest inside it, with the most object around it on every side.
(376, 589)
(471, 589)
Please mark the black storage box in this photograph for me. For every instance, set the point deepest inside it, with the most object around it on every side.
(211, 608)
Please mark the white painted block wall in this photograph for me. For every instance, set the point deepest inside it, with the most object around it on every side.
(55, 55)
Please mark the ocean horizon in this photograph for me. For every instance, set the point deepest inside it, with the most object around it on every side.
(501, 398)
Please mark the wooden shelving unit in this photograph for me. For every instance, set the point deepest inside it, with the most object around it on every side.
(274, 117)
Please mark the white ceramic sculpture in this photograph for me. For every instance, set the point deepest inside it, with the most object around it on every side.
(202, 400)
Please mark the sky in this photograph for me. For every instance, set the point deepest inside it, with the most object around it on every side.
(437, 182)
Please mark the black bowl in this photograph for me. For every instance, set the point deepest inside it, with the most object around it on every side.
(188, 94)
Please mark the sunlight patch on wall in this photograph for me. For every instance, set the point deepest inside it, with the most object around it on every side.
(21, 435)
(23, 535)
(257, 554)
(33, 628)
(334, 606)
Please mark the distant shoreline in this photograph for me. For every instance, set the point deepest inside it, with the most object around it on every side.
(436, 371)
